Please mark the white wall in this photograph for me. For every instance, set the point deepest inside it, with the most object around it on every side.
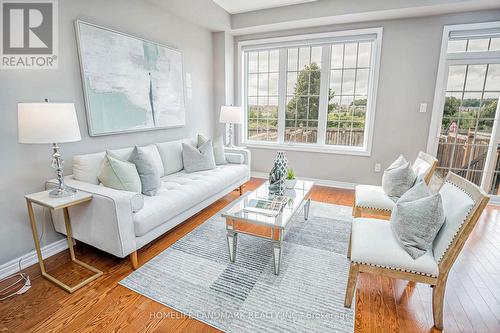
(326, 12)
(24, 168)
(409, 62)
(223, 45)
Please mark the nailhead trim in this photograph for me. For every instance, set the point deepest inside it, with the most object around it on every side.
(382, 209)
(396, 269)
(368, 207)
(461, 224)
(461, 189)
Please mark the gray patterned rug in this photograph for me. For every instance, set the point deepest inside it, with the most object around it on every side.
(195, 277)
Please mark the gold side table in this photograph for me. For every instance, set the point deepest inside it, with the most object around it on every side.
(43, 199)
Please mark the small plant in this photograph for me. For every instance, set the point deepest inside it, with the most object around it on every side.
(290, 174)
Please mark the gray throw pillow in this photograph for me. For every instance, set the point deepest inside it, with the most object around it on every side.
(398, 178)
(198, 159)
(147, 169)
(416, 219)
(218, 146)
(119, 174)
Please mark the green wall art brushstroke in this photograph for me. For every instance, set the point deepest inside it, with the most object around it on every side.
(130, 84)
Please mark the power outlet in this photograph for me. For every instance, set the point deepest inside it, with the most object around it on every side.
(423, 108)
(378, 167)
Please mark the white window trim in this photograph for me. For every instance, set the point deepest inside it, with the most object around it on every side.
(445, 59)
(442, 75)
(314, 39)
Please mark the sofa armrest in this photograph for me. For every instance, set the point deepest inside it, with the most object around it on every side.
(242, 152)
(106, 222)
(234, 158)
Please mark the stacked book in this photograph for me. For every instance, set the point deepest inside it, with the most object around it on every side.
(268, 207)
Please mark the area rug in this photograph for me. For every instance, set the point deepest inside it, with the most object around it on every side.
(195, 277)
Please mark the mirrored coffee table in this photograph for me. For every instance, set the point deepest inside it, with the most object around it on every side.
(272, 228)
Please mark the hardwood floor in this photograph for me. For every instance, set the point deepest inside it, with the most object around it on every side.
(472, 301)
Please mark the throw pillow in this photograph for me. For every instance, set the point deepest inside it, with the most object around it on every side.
(154, 155)
(398, 178)
(119, 174)
(198, 159)
(218, 146)
(147, 169)
(416, 219)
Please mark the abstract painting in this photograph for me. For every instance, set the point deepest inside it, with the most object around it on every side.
(130, 84)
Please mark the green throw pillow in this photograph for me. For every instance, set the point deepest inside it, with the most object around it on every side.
(119, 174)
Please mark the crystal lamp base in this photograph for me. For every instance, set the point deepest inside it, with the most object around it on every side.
(62, 192)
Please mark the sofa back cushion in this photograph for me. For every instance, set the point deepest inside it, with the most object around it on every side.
(171, 156)
(87, 166)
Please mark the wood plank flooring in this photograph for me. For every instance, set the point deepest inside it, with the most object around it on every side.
(472, 301)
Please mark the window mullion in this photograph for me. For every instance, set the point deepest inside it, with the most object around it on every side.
(282, 94)
(323, 93)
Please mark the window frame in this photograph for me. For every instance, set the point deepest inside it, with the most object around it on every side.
(325, 40)
(460, 58)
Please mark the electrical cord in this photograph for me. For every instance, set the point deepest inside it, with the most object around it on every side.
(8, 291)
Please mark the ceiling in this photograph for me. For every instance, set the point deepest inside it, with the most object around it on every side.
(242, 6)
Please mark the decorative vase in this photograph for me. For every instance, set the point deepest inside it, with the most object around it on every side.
(278, 174)
(282, 163)
(290, 183)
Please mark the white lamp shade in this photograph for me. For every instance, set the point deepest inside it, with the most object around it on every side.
(47, 123)
(231, 114)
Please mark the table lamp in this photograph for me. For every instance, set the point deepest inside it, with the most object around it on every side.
(230, 115)
(49, 123)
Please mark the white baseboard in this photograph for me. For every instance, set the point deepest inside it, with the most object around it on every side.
(31, 258)
(322, 182)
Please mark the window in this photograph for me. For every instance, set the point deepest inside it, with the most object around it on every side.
(349, 74)
(303, 79)
(311, 92)
(262, 95)
(474, 45)
(466, 109)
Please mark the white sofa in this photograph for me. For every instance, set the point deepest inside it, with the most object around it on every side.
(121, 222)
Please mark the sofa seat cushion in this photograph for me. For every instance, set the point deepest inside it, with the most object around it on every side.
(373, 243)
(181, 191)
(371, 196)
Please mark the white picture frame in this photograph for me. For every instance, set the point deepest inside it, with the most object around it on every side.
(130, 84)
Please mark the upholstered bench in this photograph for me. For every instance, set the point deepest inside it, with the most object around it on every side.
(371, 199)
(374, 249)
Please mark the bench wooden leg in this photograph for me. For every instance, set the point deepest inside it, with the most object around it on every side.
(351, 284)
(349, 246)
(356, 211)
(133, 260)
(437, 303)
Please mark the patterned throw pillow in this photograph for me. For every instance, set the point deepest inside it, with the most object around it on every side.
(198, 159)
(218, 146)
(398, 178)
(147, 169)
(416, 219)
